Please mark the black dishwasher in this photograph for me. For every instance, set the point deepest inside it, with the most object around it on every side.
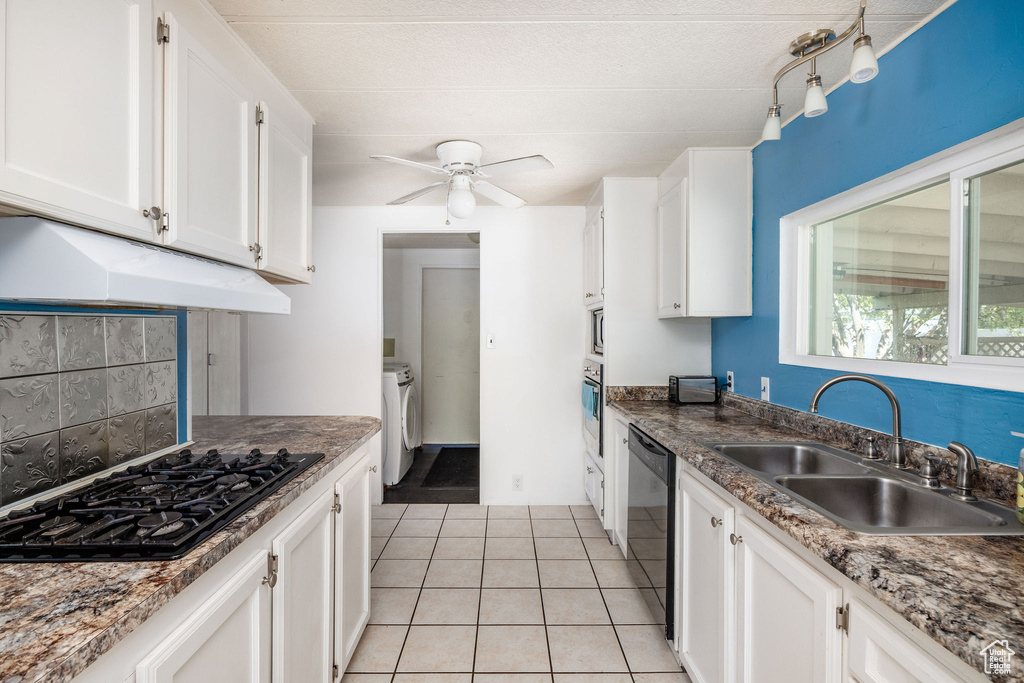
(650, 525)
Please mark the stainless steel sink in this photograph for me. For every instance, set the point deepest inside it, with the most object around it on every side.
(865, 496)
(791, 458)
(880, 505)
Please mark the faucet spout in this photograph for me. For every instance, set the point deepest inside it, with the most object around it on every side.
(898, 455)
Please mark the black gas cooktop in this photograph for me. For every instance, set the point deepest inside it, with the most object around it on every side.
(156, 511)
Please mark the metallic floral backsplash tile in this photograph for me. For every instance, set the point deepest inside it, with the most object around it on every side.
(79, 394)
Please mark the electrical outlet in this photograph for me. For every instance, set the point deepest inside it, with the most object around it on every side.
(764, 389)
(517, 482)
(730, 381)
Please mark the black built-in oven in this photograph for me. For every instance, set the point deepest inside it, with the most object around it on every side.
(650, 524)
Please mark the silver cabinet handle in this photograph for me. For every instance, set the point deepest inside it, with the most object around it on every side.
(676, 306)
(735, 540)
(311, 269)
(590, 470)
(373, 469)
(715, 522)
(625, 440)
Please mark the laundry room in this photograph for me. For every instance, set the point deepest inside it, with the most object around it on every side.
(431, 370)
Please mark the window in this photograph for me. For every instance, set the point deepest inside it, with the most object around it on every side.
(880, 280)
(994, 255)
(918, 274)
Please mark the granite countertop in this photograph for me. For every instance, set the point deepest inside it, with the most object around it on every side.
(57, 618)
(963, 591)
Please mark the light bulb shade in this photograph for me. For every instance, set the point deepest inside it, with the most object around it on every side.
(815, 103)
(772, 125)
(461, 202)
(864, 65)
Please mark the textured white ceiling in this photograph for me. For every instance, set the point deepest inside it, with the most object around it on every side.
(600, 87)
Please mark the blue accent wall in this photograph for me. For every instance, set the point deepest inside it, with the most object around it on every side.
(959, 76)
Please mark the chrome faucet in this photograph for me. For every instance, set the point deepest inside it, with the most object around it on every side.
(898, 454)
(966, 466)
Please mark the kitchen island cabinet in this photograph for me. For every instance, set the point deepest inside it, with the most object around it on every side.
(98, 621)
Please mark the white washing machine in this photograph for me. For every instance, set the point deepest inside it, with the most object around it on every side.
(401, 424)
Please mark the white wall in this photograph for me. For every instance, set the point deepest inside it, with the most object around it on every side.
(325, 358)
(402, 301)
(640, 348)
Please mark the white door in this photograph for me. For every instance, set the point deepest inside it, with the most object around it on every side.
(672, 253)
(210, 153)
(593, 482)
(620, 490)
(198, 362)
(215, 360)
(705, 584)
(286, 197)
(302, 596)
(786, 614)
(236, 620)
(878, 653)
(76, 111)
(450, 373)
(352, 561)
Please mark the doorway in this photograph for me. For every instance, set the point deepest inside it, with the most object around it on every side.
(431, 341)
(215, 361)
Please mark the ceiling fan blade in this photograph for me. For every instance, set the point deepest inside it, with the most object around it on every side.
(496, 194)
(535, 163)
(418, 193)
(406, 162)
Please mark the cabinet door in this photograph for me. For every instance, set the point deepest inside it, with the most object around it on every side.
(286, 200)
(76, 111)
(234, 620)
(705, 585)
(593, 482)
(672, 253)
(786, 614)
(352, 559)
(588, 262)
(597, 259)
(209, 153)
(878, 653)
(620, 488)
(302, 596)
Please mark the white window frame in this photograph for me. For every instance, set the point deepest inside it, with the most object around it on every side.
(996, 149)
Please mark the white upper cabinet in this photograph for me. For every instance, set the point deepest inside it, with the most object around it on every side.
(76, 112)
(704, 236)
(286, 196)
(593, 261)
(210, 153)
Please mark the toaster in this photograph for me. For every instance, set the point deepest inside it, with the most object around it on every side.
(685, 389)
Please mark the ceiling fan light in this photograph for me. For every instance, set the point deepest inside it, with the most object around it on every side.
(461, 202)
(773, 124)
(864, 65)
(815, 103)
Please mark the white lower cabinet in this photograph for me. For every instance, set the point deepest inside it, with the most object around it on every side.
(593, 482)
(785, 614)
(751, 610)
(878, 653)
(620, 487)
(705, 586)
(235, 619)
(302, 615)
(292, 612)
(352, 577)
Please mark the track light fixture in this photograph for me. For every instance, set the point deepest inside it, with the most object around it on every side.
(807, 48)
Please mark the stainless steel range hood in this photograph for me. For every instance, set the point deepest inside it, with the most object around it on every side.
(42, 261)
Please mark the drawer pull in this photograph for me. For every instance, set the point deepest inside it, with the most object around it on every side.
(735, 540)
(715, 522)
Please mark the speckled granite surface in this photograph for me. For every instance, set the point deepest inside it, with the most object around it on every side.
(963, 591)
(654, 393)
(56, 619)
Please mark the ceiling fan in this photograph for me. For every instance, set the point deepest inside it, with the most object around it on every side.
(460, 161)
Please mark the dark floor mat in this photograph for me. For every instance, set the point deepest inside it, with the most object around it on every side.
(455, 467)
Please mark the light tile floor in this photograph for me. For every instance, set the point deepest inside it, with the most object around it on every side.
(504, 594)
